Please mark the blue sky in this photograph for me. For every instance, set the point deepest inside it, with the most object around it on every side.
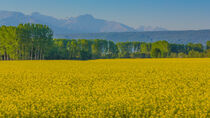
(171, 14)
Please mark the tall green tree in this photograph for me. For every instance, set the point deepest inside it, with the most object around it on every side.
(161, 47)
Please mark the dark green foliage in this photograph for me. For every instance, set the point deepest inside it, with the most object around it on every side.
(35, 42)
(156, 53)
(125, 49)
(160, 49)
(178, 48)
(85, 55)
(196, 47)
(84, 49)
(99, 49)
(208, 45)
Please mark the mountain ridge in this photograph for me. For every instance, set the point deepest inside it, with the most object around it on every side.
(82, 24)
(88, 27)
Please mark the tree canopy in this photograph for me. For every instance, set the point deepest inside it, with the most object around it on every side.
(35, 42)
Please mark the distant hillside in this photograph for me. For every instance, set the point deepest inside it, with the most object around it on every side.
(88, 27)
(150, 28)
(81, 24)
(179, 37)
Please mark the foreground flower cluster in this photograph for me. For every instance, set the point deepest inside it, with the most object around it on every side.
(105, 88)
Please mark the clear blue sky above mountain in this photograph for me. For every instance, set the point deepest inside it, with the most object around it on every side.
(171, 14)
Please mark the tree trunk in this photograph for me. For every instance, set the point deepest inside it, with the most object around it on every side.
(32, 53)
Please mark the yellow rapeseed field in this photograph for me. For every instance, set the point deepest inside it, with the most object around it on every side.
(105, 88)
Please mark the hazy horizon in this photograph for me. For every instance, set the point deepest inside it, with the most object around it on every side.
(172, 15)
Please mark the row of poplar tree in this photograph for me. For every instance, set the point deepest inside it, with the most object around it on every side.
(35, 42)
(24, 42)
